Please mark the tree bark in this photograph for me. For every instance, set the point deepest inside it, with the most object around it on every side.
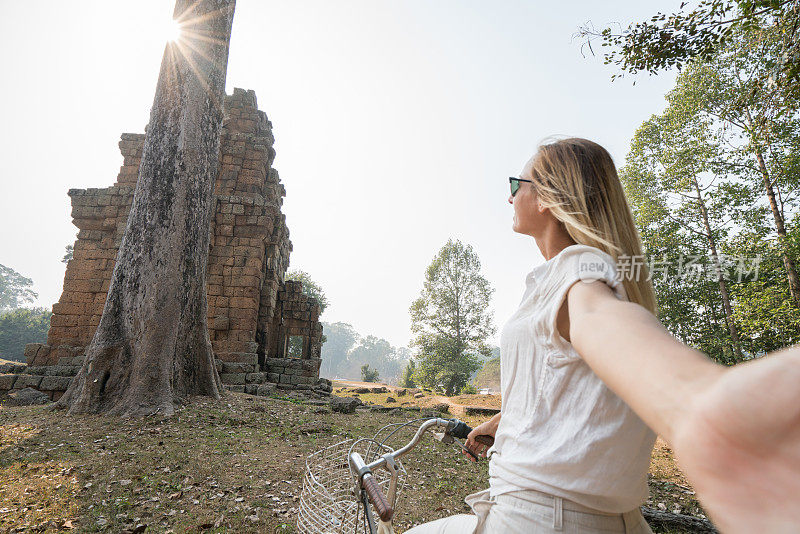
(723, 285)
(152, 349)
(780, 227)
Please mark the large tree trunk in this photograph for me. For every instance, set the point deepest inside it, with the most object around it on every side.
(151, 349)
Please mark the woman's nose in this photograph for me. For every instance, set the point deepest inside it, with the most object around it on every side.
(510, 199)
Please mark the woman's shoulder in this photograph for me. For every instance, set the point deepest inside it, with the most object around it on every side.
(584, 260)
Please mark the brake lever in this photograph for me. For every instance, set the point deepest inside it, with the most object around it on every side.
(447, 439)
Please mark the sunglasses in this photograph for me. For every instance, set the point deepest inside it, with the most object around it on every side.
(514, 181)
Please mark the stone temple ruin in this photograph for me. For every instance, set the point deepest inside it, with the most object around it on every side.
(264, 331)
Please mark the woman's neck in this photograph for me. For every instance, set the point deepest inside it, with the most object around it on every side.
(553, 240)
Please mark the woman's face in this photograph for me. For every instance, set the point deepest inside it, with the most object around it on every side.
(529, 216)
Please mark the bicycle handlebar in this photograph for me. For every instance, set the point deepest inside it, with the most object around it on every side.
(382, 506)
(462, 430)
(454, 427)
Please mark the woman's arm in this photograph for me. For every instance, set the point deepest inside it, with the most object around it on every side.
(735, 430)
(628, 348)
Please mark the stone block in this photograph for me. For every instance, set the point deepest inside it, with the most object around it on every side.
(27, 397)
(62, 370)
(236, 367)
(55, 383)
(36, 370)
(31, 349)
(250, 389)
(344, 404)
(243, 357)
(7, 382)
(220, 323)
(235, 388)
(265, 390)
(233, 378)
(27, 381)
(273, 377)
(255, 378)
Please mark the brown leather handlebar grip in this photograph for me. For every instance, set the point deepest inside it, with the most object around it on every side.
(485, 439)
(385, 511)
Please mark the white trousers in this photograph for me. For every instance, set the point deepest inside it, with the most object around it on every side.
(532, 512)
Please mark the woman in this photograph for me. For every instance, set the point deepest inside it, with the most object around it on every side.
(587, 371)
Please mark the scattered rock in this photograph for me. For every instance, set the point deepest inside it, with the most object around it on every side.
(378, 390)
(480, 410)
(361, 390)
(27, 397)
(441, 407)
(419, 395)
(402, 393)
(390, 399)
(344, 404)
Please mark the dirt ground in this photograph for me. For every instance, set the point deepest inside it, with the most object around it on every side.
(235, 465)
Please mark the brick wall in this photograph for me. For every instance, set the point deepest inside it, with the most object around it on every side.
(252, 311)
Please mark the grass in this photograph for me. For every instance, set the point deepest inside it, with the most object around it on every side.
(230, 466)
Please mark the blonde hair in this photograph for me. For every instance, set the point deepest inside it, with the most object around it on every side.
(577, 180)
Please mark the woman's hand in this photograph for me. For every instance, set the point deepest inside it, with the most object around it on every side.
(488, 428)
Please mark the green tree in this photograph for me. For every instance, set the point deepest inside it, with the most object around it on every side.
(716, 175)
(15, 289)
(310, 287)
(407, 380)
(20, 327)
(757, 123)
(489, 375)
(451, 319)
(675, 155)
(379, 354)
(340, 339)
(368, 374)
(666, 42)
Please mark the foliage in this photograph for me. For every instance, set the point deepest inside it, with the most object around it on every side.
(489, 375)
(469, 389)
(665, 42)
(20, 327)
(310, 288)
(725, 150)
(68, 252)
(341, 337)
(345, 351)
(368, 374)
(294, 348)
(14, 289)
(451, 319)
(407, 380)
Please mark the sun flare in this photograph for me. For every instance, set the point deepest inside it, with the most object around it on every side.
(172, 31)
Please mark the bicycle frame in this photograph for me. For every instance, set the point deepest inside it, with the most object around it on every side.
(369, 491)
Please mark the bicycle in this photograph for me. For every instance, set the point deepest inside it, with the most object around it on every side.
(341, 481)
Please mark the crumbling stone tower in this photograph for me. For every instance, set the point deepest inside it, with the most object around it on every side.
(263, 329)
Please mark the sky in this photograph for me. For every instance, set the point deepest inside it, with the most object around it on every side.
(397, 124)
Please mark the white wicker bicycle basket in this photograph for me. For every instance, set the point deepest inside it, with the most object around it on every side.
(328, 504)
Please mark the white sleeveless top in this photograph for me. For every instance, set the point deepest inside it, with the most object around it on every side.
(562, 431)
